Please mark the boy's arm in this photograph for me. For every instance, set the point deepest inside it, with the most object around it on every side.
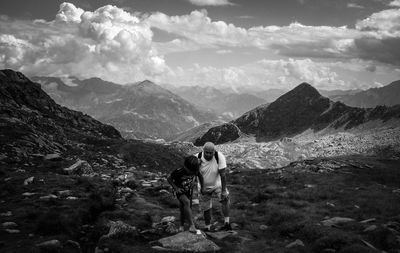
(171, 182)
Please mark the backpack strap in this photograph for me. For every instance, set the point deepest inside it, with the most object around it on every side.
(215, 155)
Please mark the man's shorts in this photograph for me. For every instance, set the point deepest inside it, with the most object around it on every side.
(206, 200)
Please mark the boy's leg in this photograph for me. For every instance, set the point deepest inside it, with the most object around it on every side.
(206, 205)
(187, 212)
(182, 213)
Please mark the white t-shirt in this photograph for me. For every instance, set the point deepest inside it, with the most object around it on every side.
(209, 171)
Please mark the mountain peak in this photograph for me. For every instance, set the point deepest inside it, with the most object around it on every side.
(306, 88)
(302, 91)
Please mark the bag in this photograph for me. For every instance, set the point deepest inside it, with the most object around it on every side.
(215, 155)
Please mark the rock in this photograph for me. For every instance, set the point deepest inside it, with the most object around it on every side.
(297, 243)
(50, 196)
(188, 242)
(6, 214)
(72, 247)
(120, 229)
(9, 224)
(168, 219)
(28, 180)
(12, 231)
(27, 194)
(49, 246)
(370, 228)
(159, 248)
(126, 190)
(263, 227)
(368, 220)
(335, 221)
(132, 183)
(81, 167)
(52, 157)
(64, 193)
(221, 234)
(330, 204)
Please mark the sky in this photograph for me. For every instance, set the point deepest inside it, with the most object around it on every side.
(237, 44)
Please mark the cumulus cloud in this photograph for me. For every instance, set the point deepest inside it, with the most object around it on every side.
(109, 43)
(211, 2)
(117, 45)
(198, 27)
(395, 3)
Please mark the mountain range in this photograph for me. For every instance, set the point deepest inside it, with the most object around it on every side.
(229, 105)
(300, 109)
(139, 110)
(387, 95)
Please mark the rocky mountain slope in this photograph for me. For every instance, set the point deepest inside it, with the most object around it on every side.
(32, 120)
(301, 109)
(138, 110)
(388, 95)
(229, 104)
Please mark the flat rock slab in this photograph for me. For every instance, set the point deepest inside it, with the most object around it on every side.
(335, 221)
(188, 242)
(221, 234)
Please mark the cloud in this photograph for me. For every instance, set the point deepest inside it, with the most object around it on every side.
(109, 43)
(395, 3)
(246, 17)
(354, 5)
(198, 27)
(223, 51)
(211, 2)
(262, 74)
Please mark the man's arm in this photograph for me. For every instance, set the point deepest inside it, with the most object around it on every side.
(222, 173)
(201, 180)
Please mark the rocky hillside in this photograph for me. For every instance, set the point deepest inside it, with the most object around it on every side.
(196, 132)
(303, 108)
(140, 110)
(31, 120)
(228, 104)
(388, 95)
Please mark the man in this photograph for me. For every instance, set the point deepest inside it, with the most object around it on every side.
(213, 184)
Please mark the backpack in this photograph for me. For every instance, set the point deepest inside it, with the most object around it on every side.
(215, 155)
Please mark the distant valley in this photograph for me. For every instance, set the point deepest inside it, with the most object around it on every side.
(140, 110)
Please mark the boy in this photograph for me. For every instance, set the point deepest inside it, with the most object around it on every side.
(183, 180)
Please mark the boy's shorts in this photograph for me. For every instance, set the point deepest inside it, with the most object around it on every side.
(187, 194)
(206, 200)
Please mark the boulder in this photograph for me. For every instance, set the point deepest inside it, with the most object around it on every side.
(297, 243)
(335, 221)
(53, 157)
(81, 167)
(220, 235)
(120, 229)
(188, 242)
(49, 246)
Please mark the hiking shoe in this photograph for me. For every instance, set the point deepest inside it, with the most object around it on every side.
(192, 229)
(227, 227)
(211, 229)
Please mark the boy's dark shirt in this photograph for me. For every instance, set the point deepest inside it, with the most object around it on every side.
(183, 180)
